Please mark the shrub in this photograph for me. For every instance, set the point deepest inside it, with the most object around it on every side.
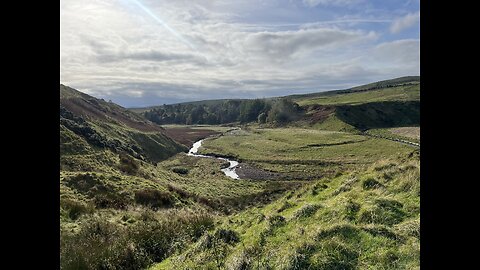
(83, 182)
(276, 221)
(128, 164)
(227, 236)
(104, 245)
(101, 245)
(180, 170)
(154, 198)
(111, 200)
(75, 208)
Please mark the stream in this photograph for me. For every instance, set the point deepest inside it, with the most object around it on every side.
(230, 171)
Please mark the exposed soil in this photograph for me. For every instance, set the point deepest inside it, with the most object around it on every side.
(318, 113)
(187, 136)
(246, 171)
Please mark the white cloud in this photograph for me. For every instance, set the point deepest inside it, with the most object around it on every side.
(404, 22)
(114, 50)
(313, 3)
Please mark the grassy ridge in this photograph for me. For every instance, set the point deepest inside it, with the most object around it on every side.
(365, 219)
(398, 93)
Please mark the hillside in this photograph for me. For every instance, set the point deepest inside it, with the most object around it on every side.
(87, 124)
(384, 104)
(320, 187)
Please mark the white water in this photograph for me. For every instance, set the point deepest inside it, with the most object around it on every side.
(230, 171)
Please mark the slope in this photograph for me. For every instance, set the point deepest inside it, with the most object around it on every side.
(88, 123)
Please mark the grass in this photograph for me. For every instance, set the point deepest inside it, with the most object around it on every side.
(411, 134)
(398, 93)
(336, 235)
(300, 152)
(342, 200)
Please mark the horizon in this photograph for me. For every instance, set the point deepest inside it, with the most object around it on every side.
(140, 53)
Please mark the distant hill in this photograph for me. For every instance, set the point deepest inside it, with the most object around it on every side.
(383, 104)
(88, 123)
(407, 80)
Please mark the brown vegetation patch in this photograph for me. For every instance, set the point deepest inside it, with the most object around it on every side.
(187, 136)
(410, 132)
(318, 113)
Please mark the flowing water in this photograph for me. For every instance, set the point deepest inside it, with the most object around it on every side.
(230, 171)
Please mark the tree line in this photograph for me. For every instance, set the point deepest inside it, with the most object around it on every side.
(278, 111)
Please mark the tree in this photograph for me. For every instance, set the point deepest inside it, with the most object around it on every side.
(262, 118)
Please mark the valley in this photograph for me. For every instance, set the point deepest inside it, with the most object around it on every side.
(323, 181)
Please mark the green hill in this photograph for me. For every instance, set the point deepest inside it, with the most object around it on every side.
(389, 103)
(87, 123)
(316, 192)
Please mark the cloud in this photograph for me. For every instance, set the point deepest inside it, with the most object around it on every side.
(313, 3)
(404, 22)
(113, 50)
(285, 44)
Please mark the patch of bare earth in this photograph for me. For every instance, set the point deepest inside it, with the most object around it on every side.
(410, 132)
(318, 113)
(245, 171)
(187, 136)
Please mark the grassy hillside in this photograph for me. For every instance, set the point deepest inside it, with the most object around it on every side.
(314, 193)
(364, 216)
(95, 124)
(393, 106)
(396, 93)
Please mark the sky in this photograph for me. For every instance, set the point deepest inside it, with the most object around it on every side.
(141, 53)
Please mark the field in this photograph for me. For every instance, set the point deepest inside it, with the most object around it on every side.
(397, 93)
(302, 153)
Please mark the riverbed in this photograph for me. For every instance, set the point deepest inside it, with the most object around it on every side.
(229, 171)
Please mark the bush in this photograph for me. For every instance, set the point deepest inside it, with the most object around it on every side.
(276, 221)
(111, 200)
(154, 198)
(180, 170)
(128, 164)
(75, 208)
(227, 236)
(101, 245)
(104, 245)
